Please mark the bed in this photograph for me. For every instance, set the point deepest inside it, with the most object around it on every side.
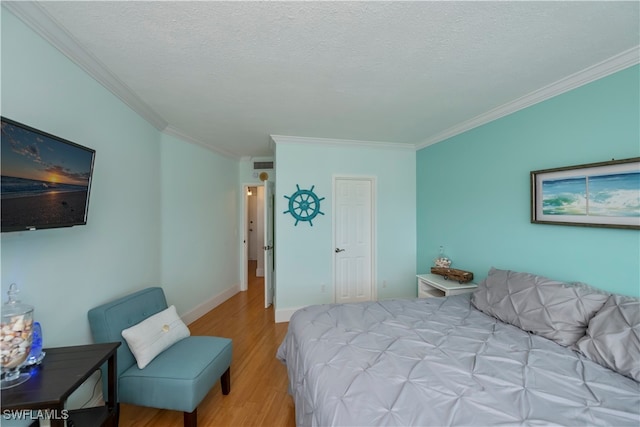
(521, 350)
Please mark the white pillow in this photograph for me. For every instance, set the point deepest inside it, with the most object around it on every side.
(155, 334)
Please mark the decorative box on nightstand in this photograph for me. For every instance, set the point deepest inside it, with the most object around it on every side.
(432, 285)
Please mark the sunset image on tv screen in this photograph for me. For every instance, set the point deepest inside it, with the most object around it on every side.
(45, 180)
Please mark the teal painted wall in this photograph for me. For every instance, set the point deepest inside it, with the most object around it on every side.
(64, 272)
(304, 254)
(162, 211)
(199, 222)
(473, 192)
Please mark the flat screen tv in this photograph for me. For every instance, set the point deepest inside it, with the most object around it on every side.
(45, 179)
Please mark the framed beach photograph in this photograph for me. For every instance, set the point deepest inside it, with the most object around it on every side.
(605, 194)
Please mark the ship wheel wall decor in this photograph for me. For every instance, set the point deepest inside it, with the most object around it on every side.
(304, 205)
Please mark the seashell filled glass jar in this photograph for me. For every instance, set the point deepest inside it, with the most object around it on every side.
(442, 261)
(16, 335)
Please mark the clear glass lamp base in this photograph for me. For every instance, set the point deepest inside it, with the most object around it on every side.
(13, 377)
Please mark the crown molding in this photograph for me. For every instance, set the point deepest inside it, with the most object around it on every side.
(36, 18)
(602, 69)
(169, 130)
(285, 139)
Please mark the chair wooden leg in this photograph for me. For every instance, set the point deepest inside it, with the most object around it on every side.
(191, 418)
(225, 381)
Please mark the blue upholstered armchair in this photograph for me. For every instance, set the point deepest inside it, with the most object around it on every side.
(180, 376)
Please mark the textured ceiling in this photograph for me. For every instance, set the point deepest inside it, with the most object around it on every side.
(229, 74)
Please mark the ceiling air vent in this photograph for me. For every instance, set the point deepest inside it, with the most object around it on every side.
(262, 165)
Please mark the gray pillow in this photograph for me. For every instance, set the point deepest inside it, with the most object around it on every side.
(555, 310)
(613, 336)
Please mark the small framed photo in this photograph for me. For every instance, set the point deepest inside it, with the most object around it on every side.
(605, 194)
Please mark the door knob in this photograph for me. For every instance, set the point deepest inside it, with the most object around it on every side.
(338, 250)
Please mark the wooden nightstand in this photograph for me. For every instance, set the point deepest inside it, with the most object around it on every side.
(432, 285)
(63, 370)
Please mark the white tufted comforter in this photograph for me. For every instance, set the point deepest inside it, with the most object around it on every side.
(441, 362)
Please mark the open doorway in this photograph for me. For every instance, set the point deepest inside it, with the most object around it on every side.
(258, 238)
(255, 230)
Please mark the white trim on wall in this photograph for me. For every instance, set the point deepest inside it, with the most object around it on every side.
(208, 305)
(284, 315)
(609, 66)
(170, 130)
(43, 24)
(37, 18)
(287, 139)
(32, 14)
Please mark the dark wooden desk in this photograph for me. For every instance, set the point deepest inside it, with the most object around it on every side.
(63, 370)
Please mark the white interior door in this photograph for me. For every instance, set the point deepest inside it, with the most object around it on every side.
(353, 222)
(268, 243)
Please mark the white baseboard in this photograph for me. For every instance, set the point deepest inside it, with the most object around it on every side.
(259, 272)
(202, 309)
(285, 314)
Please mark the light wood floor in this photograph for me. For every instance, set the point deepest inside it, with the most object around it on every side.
(258, 380)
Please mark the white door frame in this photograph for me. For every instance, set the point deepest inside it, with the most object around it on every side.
(244, 236)
(374, 250)
(267, 253)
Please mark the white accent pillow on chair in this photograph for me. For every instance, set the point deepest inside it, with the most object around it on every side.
(155, 334)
